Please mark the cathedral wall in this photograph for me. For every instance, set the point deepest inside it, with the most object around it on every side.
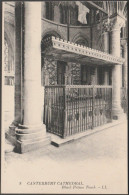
(97, 37)
(74, 31)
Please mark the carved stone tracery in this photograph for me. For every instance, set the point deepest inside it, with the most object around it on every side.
(106, 26)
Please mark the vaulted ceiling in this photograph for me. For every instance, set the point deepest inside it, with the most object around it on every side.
(109, 6)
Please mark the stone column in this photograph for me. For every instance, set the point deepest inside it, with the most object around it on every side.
(56, 14)
(106, 28)
(125, 66)
(18, 88)
(18, 63)
(91, 16)
(31, 134)
(32, 67)
(68, 73)
(43, 9)
(116, 71)
(106, 77)
(94, 76)
(106, 41)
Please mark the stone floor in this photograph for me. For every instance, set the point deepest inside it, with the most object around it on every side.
(97, 160)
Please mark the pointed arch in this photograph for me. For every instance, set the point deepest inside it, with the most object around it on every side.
(80, 39)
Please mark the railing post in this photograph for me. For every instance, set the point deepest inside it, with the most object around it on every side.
(93, 106)
(64, 112)
(124, 99)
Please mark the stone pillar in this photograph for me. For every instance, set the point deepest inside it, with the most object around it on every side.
(106, 77)
(43, 9)
(94, 76)
(18, 63)
(68, 73)
(106, 28)
(116, 71)
(32, 67)
(31, 134)
(18, 88)
(56, 14)
(125, 67)
(106, 41)
(91, 16)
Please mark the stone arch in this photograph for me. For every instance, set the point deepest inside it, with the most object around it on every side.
(9, 89)
(47, 34)
(9, 37)
(52, 32)
(80, 39)
(10, 50)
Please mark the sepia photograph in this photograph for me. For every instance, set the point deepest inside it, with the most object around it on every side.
(64, 97)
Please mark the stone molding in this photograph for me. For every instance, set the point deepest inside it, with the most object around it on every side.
(61, 44)
(114, 23)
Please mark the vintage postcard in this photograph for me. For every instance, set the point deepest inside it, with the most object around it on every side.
(64, 97)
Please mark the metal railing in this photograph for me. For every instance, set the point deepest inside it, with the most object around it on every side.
(124, 100)
(73, 109)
